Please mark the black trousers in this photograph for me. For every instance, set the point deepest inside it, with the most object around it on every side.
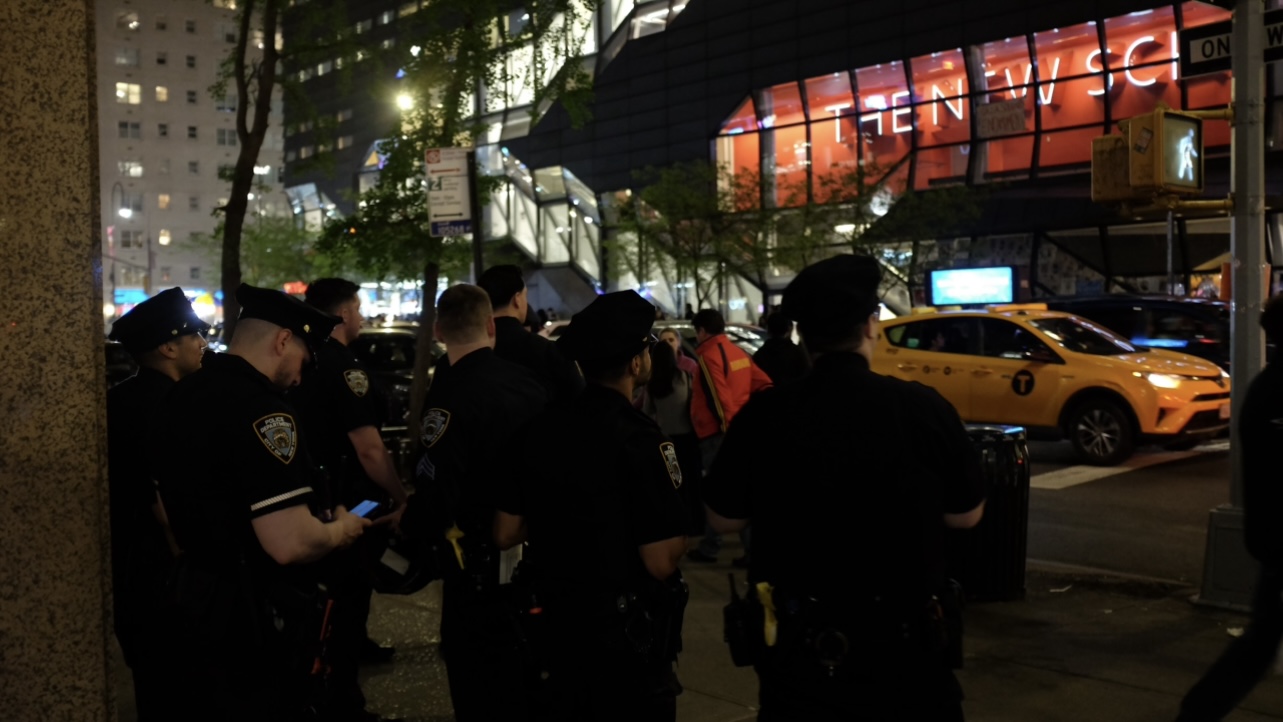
(886, 687)
(590, 684)
(1245, 661)
(486, 665)
(151, 661)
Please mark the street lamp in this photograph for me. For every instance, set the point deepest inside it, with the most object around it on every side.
(124, 209)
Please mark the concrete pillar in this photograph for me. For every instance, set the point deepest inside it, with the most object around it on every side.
(54, 627)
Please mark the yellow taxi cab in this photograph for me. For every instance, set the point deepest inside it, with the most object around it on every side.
(1059, 376)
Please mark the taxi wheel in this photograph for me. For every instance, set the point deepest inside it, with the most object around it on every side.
(1101, 433)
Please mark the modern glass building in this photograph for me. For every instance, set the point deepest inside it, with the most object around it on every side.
(1002, 94)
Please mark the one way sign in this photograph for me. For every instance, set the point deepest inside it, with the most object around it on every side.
(1206, 48)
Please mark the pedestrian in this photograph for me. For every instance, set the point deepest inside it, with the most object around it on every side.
(341, 410)
(779, 357)
(1248, 658)
(666, 398)
(727, 378)
(606, 528)
(507, 291)
(469, 424)
(247, 518)
(850, 612)
(166, 339)
(671, 337)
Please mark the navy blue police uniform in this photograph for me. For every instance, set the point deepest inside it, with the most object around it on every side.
(846, 475)
(141, 558)
(247, 623)
(610, 631)
(470, 418)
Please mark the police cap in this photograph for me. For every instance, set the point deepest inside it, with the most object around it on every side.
(163, 317)
(310, 324)
(614, 327)
(831, 299)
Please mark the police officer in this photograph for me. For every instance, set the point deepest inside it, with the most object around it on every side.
(606, 527)
(240, 493)
(513, 342)
(470, 417)
(846, 569)
(166, 338)
(342, 410)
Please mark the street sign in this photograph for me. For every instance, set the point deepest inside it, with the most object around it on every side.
(1206, 48)
(449, 197)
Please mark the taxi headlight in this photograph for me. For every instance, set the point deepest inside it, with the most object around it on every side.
(1164, 381)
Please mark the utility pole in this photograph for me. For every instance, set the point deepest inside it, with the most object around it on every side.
(1228, 570)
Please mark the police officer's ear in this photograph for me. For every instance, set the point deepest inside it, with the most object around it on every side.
(281, 341)
(490, 330)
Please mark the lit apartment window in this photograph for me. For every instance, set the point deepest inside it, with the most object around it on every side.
(131, 239)
(162, 94)
(162, 201)
(191, 61)
(190, 25)
(195, 273)
(225, 104)
(226, 136)
(130, 130)
(127, 57)
(191, 97)
(193, 167)
(129, 93)
(191, 132)
(343, 115)
(126, 20)
(305, 126)
(162, 58)
(343, 142)
(225, 4)
(306, 151)
(364, 26)
(131, 204)
(130, 168)
(164, 237)
(387, 44)
(193, 203)
(162, 130)
(322, 148)
(387, 16)
(408, 9)
(325, 67)
(162, 23)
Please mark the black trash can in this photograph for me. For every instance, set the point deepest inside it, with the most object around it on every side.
(989, 559)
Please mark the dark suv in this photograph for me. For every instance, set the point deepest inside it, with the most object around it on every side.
(1194, 326)
(388, 353)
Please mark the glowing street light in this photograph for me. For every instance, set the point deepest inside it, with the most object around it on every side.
(404, 102)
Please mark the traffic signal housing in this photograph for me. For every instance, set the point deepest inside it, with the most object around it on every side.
(1164, 152)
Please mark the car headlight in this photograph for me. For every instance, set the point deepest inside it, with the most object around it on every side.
(1164, 381)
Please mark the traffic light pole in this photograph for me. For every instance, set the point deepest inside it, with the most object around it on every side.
(1228, 571)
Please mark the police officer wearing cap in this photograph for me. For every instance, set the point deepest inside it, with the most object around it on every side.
(240, 493)
(342, 409)
(847, 588)
(606, 527)
(470, 419)
(166, 338)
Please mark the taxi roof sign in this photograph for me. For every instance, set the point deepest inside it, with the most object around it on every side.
(1005, 307)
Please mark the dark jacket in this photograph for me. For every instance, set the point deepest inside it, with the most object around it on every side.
(1260, 428)
(782, 360)
(559, 376)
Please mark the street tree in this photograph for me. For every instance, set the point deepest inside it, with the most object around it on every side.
(468, 58)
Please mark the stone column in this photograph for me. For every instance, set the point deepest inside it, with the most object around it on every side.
(54, 624)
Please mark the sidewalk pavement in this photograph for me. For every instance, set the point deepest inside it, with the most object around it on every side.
(1080, 646)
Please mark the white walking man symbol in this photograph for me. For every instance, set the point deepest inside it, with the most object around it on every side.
(1187, 152)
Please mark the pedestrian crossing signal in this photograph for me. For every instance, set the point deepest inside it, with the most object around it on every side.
(1164, 152)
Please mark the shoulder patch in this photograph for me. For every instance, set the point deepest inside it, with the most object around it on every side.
(278, 434)
(669, 452)
(358, 381)
(435, 422)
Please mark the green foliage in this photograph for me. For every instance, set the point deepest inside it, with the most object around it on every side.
(275, 251)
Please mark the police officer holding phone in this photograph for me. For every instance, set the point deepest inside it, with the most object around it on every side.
(240, 492)
(166, 338)
(846, 575)
(606, 527)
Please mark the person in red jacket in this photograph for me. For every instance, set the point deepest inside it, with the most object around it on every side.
(727, 378)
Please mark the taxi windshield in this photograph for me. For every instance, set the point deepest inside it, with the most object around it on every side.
(1074, 334)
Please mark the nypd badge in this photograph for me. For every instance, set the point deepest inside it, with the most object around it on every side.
(434, 423)
(669, 452)
(358, 381)
(279, 436)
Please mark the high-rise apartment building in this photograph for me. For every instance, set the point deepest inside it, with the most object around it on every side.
(165, 144)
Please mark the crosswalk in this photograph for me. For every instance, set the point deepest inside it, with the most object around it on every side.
(1072, 476)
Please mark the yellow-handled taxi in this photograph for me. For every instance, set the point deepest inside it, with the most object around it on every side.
(1059, 376)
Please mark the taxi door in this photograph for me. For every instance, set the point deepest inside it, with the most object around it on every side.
(935, 352)
(1018, 377)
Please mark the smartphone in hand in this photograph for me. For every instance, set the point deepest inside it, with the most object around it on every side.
(369, 509)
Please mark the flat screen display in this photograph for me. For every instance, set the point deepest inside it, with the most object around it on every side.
(972, 286)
